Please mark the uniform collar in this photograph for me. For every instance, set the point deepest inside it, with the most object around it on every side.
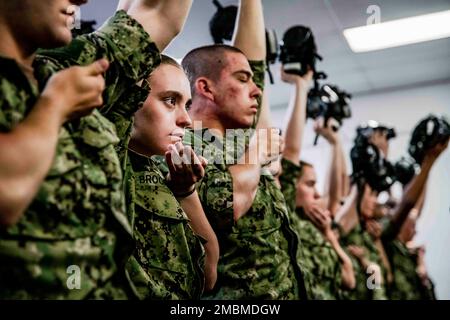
(12, 70)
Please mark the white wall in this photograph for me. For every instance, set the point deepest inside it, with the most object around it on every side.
(401, 109)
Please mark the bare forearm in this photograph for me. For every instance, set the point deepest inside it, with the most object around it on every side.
(162, 19)
(411, 195)
(296, 124)
(265, 116)
(335, 190)
(201, 226)
(348, 274)
(421, 201)
(346, 216)
(249, 35)
(345, 180)
(198, 221)
(26, 157)
(124, 5)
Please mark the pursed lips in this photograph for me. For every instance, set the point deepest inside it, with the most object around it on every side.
(179, 136)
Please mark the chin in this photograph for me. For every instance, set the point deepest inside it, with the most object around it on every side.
(63, 37)
(245, 125)
(56, 42)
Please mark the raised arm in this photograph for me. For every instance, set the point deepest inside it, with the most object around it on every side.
(124, 5)
(162, 19)
(414, 190)
(336, 172)
(347, 217)
(296, 115)
(345, 180)
(249, 35)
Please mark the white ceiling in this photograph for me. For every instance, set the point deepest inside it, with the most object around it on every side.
(361, 74)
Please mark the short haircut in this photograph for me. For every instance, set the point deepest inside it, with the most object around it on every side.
(165, 59)
(207, 61)
(303, 164)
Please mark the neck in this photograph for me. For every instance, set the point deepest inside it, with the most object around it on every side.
(139, 148)
(401, 238)
(15, 47)
(203, 116)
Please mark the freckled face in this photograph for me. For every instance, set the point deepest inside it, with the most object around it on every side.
(235, 93)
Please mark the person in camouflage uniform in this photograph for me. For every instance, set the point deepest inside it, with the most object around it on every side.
(354, 224)
(246, 209)
(168, 261)
(75, 215)
(326, 270)
(318, 256)
(330, 269)
(411, 281)
(370, 273)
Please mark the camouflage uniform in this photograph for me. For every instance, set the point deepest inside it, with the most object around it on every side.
(407, 284)
(257, 252)
(168, 261)
(321, 263)
(78, 215)
(361, 238)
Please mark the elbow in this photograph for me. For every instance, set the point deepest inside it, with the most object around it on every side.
(409, 203)
(177, 28)
(348, 281)
(13, 204)
(348, 276)
(9, 217)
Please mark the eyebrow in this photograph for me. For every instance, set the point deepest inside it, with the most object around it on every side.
(177, 94)
(247, 73)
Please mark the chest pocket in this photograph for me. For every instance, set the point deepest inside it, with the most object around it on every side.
(161, 227)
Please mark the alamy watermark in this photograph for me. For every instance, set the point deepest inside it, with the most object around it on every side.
(235, 146)
(74, 21)
(74, 277)
(374, 12)
(374, 280)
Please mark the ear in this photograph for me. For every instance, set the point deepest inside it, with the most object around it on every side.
(205, 88)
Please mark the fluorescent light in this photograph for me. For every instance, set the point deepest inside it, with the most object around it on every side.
(399, 32)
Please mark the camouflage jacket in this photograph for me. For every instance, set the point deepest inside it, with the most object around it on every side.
(407, 285)
(361, 238)
(257, 252)
(77, 219)
(168, 261)
(322, 270)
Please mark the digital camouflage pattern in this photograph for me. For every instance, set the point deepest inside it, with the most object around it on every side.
(169, 257)
(320, 261)
(407, 284)
(257, 253)
(78, 216)
(361, 238)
